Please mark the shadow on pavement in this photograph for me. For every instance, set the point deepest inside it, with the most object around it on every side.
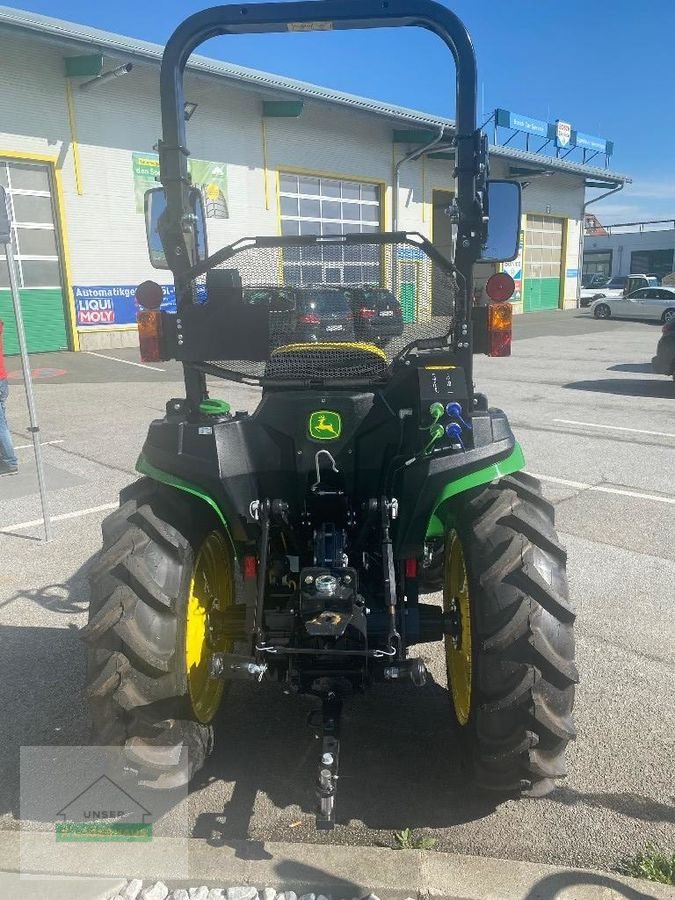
(642, 368)
(399, 762)
(553, 885)
(41, 680)
(626, 387)
(627, 804)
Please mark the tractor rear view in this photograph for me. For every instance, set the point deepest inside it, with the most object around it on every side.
(297, 546)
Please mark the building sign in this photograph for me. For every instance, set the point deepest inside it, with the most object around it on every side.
(105, 305)
(519, 122)
(563, 133)
(588, 142)
(209, 177)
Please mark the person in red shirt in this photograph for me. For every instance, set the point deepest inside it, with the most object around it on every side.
(9, 464)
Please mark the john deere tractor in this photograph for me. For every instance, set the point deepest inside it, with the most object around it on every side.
(297, 545)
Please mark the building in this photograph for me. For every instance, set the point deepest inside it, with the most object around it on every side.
(646, 248)
(272, 155)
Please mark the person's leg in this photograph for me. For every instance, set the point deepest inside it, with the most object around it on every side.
(7, 454)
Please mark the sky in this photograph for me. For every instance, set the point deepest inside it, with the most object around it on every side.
(607, 68)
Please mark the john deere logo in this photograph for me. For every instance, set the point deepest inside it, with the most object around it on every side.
(325, 425)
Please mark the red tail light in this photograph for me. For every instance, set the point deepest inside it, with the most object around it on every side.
(310, 319)
(500, 343)
(411, 568)
(250, 567)
(499, 329)
(150, 334)
(367, 313)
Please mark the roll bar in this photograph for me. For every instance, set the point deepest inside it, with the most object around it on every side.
(337, 15)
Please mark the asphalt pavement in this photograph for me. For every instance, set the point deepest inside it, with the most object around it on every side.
(594, 423)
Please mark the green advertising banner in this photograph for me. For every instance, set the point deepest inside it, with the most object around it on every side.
(209, 177)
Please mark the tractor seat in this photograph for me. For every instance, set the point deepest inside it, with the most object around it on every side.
(330, 359)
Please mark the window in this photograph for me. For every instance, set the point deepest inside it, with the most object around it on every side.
(34, 231)
(651, 262)
(597, 263)
(313, 205)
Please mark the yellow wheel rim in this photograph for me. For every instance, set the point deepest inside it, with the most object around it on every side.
(457, 605)
(211, 588)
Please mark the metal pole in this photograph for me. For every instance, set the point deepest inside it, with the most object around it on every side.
(6, 238)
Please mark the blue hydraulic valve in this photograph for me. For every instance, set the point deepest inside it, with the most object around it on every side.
(454, 432)
(454, 410)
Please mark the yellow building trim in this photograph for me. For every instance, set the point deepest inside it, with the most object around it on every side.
(65, 245)
(107, 329)
(72, 122)
(563, 262)
(266, 187)
(343, 176)
(62, 232)
(424, 187)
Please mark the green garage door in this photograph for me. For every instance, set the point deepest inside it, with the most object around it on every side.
(542, 262)
(37, 260)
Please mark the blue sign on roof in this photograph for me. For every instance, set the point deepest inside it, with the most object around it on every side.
(588, 142)
(519, 122)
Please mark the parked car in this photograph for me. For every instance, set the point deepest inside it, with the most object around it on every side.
(594, 281)
(377, 313)
(645, 303)
(664, 361)
(299, 314)
(619, 286)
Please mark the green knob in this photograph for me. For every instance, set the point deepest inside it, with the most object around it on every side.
(437, 410)
(437, 432)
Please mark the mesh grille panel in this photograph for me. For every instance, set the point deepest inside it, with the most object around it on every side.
(352, 307)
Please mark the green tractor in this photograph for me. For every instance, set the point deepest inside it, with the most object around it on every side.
(294, 545)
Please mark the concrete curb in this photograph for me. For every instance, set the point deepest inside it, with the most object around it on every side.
(342, 871)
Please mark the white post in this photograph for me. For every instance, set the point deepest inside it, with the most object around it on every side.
(6, 239)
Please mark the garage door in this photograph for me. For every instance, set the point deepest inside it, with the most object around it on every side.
(542, 262)
(310, 204)
(36, 244)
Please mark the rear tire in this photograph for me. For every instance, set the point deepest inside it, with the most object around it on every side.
(512, 699)
(138, 684)
(602, 311)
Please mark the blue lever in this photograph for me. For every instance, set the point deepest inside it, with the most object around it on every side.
(454, 410)
(454, 432)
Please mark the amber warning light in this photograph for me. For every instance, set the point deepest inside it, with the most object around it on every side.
(499, 329)
(149, 296)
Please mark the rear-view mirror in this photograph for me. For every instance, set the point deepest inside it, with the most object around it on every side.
(155, 206)
(503, 232)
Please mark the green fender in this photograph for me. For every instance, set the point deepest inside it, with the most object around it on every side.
(513, 463)
(146, 468)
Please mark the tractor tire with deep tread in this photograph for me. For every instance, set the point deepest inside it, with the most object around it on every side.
(524, 673)
(137, 685)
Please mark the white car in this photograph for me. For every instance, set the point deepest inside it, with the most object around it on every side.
(645, 303)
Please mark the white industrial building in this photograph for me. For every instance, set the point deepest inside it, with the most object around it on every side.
(644, 248)
(271, 154)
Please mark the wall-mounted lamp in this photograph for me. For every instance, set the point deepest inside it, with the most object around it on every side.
(107, 76)
(189, 109)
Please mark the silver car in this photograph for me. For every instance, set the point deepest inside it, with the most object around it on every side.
(645, 303)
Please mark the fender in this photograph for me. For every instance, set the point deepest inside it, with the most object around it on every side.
(513, 463)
